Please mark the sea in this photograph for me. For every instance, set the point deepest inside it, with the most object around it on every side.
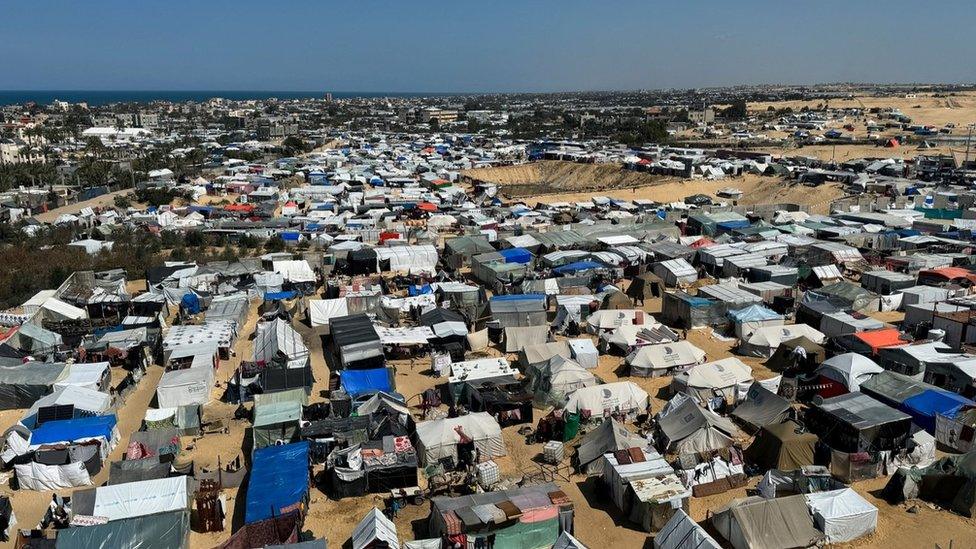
(104, 97)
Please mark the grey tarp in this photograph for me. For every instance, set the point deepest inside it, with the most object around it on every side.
(689, 429)
(518, 338)
(160, 531)
(761, 407)
(21, 386)
(608, 437)
(681, 532)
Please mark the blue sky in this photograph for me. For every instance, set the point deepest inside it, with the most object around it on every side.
(491, 45)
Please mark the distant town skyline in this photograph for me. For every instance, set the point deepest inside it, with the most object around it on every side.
(462, 47)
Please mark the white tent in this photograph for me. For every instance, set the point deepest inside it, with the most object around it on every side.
(843, 515)
(681, 532)
(375, 530)
(277, 336)
(141, 498)
(87, 375)
(297, 270)
(421, 258)
(584, 352)
(82, 398)
(558, 378)
(764, 341)
(849, 369)
(729, 377)
(185, 387)
(59, 310)
(321, 310)
(664, 358)
(439, 438)
(624, 396)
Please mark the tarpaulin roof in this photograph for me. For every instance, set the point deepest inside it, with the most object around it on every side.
(754, 313)
(876, 339)
(578, 266)
(358, 382)
(924, 406)
(516, 255)
(160, 531)
(70, 430)
(279, 479)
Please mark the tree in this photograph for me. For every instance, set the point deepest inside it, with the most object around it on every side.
(274, 244)
(736, 111)
(293, 146)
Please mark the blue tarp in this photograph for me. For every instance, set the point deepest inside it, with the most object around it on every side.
(279, 479)
(516, 255)
(70, 430)
(277, 296)
(190, 303)
(733, 224)
(415, 289)
(359, 382)
(753, 313)
(578, 266)
(924, 406)
(286, 236)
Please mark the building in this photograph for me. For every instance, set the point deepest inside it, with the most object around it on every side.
(442, 116)
(703, 116)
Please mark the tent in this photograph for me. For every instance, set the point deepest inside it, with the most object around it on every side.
(753, 522)
(85, 402)
(645, 286)
(356, 342)
(752, 318)
(843, 515)
(785, 357)
(584, 352)
(518, 309)
(610, 436)
(364, 382)
(133, 499)
(553, 381)
(644, 487)
(844, 373)
(761, 407)
(276, 422)
(784, 446)
(94, 376)
(22, 385)
(931, 403)
(681, 532)
(564, 541)
(664, 358)
(519, 337)
(855, 422)
(728, 378)
(320, 311)
(276, 342)
(375, 531)
(764, 341)
(163, 531)
(622, 396)
(438, 439)
(687, 428)
(279, 480)
(184, 387)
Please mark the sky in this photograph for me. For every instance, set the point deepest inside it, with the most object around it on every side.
(485, 46)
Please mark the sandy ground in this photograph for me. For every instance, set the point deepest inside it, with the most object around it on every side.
(104, 200)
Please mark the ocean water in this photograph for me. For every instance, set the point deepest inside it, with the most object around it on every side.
(104, 97)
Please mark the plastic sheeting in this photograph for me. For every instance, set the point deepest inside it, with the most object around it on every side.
(439, 438)
(279, 479)
(843, 515)
(681, 532)
(137, 499)
(624, 396)
(166, 531)
(36, 476)
(72, 430)
(359, 382)
(321, 310)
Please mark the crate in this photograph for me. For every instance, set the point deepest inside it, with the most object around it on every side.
(488, 473)
(552, 452)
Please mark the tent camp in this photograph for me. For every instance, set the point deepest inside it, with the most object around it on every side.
(764, 341)
(445, 438)
(844, 373)
(610, 436)
(664, 358)
(754, 521)
(728, 378)
(623, 396)
(684, 427)
(761, 407)
(843, 515)
(784, 446)
(681, 532)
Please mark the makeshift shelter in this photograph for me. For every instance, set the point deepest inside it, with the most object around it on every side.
(750, 319)
(185, 387)
(844, 373)
(375, 531)
(758, 522)
(728, 378)
(855, 422)
(764, 341)
(664, 359)
(783, 446)
(519, 337)
(681, 532)
(761, 407)
(454, 437)
(926, 406)
(163, 531)
(553, 381)
(133, 499)
(644, 487)
(843, 515)
(786, 357)
(277, 343)
(82, 401)
(621, 397)
(366, 382)
(278, 481)
(610, 436)
(22, 385)
(321, 311)
(355, 342)
(518, 310)
(276, 423)
(645, 286)
(687, 428)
